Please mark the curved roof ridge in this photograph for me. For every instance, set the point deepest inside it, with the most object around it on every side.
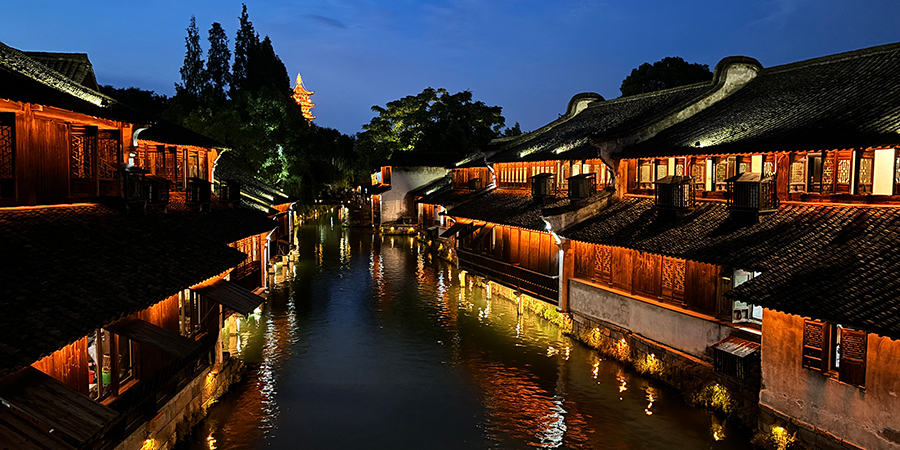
(21, 63)
(837, 57)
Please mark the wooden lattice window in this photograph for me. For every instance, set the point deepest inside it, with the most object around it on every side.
(602, 264)
(837, 350)
(851, 354)
(159, 166)
(193, 163)
(815, 345)
(673, 278)
(108, 154)
(698, 173)
(7, 156)
(179, 166)
(84, 141)
(171, 164)
(866, 172)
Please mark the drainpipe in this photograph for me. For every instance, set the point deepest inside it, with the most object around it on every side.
(565, 267)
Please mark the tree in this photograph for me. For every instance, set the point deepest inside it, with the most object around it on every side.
(217, 63)
(193, 76)
(265, 69)
(147, 101)
(516, 130)
(432, 121)
(666, 73)
(245, 41)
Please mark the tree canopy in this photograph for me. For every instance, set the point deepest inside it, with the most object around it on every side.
(666, 73)
(431, 121)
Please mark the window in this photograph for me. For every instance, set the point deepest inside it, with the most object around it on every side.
(84, 141)
(108, 154)
(724, 168)
(835, 350)
(7, 156)
(865, 172)
(188, 312)
(645, 174)
(745, 312)
(698, 173)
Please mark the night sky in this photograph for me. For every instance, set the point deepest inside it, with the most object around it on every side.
(530, 57)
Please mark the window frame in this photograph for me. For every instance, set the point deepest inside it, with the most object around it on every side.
(836, 351)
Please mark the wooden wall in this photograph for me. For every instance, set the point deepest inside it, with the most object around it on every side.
(42, 160)
(682, 282)
(533, 250)
(68, 365)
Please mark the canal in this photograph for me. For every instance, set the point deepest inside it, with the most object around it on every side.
(374, 345)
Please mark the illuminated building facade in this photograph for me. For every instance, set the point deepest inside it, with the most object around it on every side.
(744, 225)
(115, 285)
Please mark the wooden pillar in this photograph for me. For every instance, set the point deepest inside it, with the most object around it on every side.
(567, 271)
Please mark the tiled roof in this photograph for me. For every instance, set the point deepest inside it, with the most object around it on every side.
(266, 194)
(70, 269)
(841, 101)
(506, 207)
(221, 224)
(837, 263)
(421, 159)
(75, 66)
(25, 79)
(599, 120)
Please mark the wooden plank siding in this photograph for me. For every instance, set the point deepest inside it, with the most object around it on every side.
(685, 283)
(69, 365)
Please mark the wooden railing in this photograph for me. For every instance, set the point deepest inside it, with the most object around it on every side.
(542, 286)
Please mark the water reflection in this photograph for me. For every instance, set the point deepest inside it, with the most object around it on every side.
(376, 345)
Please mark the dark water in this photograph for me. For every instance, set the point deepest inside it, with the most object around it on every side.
(375, 346)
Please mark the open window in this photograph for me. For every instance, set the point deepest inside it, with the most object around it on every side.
(745, 312)
(111, 363)
(835, 350)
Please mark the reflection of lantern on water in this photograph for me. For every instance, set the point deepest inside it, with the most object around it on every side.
(718, 428)
(651, 397)
(623, 384)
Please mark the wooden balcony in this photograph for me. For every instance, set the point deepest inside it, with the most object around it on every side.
(536, 284)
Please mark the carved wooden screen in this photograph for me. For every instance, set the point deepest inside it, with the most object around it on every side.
(108, 154)
(159, 165)
(698, 173)
(171, 165)
(853, 357)
(204, 167)
(602, 264)
(179, 167)
(673, 278)
(815, 345)
(866, 172)
(7, 156)
(84, 140)
(193, 162)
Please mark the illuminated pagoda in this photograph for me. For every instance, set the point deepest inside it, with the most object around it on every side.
(301, 96)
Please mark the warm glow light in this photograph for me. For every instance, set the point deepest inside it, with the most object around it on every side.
(149, 444)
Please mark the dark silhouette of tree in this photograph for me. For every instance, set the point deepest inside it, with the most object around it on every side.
(244, 42)
(432, 121)
(516, 130)
(193, 76)
(666, 73)
(265, 69)
(218, 60)
(147, 101)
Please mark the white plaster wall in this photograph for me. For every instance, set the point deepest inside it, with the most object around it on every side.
(861, 416)
(675, 329)
(403, 180)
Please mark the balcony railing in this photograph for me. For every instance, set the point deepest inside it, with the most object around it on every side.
(542, 286)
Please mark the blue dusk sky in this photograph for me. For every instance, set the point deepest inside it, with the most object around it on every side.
(529, 57)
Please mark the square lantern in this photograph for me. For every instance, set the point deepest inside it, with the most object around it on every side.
(582, 186)
(752, 191)
(542, 186)
(675, 192)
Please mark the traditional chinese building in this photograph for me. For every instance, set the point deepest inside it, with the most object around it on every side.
(746, 229)
(116, 284)
(301, 96)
